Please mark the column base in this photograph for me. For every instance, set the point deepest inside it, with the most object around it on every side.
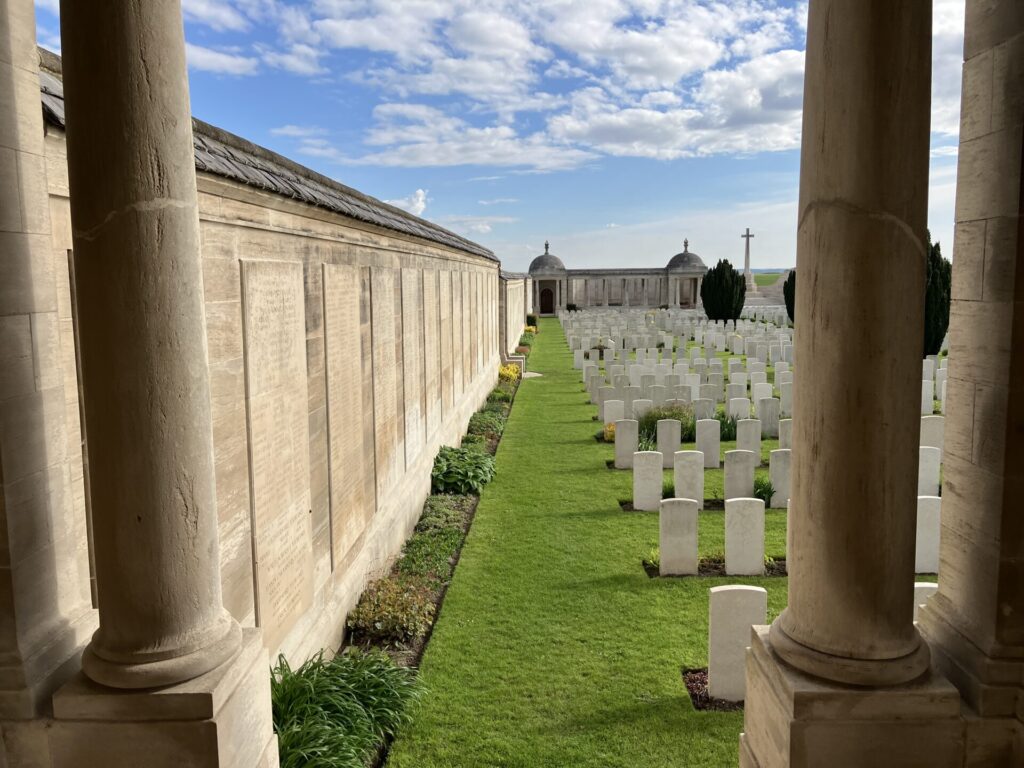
(794, 720)
(219, 720)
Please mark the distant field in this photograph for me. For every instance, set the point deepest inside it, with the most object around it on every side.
(766, 278)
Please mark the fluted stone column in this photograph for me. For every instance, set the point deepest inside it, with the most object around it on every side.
(860, 251)
(143, 346)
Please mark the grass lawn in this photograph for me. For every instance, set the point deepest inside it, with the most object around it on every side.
(766, 278)
(553, 648)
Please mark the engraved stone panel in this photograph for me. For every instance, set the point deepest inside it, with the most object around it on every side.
(431, 351)
(458, 324)
(273, 330)
(467, 333)
(412, 353)
(389, 429)
(350, 506)
(447, 328)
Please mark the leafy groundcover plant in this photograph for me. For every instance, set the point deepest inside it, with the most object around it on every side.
(461, 470)
(336, 713)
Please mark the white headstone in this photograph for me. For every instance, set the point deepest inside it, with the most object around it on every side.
(733, 610)
(640, 407)
(688, 476)
(779, 463)
(627, 437)
(677, 537)
(932, 431)
(926, 553)
(613, 411)
(785, 433)
(760, 392)
(709, 441)
(922, 591)
(928, 471)
(927, 397)
(744, 537)
(739, 474)
(669, 431)
(647, 481)
(739, 408)
(769, 410)
(748, 436)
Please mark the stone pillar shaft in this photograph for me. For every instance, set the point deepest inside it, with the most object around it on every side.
(860, 252)
(980, 598)
(143, 345)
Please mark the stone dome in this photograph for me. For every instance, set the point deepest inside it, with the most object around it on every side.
(546, 262)
(686, 261)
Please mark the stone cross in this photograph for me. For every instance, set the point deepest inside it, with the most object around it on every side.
(748, 276)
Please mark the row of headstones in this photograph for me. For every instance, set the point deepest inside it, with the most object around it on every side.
(692, 374)
(768, 348)
(732, 610)
(934, 377)
(688, 475)
(685, 387)
(744, 535)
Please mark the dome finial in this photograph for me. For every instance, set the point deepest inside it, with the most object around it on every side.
(546, 246)
(686, 245)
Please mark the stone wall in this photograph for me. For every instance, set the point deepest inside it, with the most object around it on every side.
(342, 355)
(515, 292)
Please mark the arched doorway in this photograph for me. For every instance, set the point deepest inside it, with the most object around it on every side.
(547, 301)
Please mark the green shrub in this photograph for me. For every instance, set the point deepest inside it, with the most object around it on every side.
(430, 555)
(444, 513)
(645, 443)
(789, 294)
(337, 713)
(499, 395)
(648, 423)
(728, 425)
(723, 291)
(498, 409)
(668, 488)
(526, 340)
(570, 307)
(764, 490)
(938, 279)
(393, 611)
(653, 558)
(486, 423)
(531, 320)
(474, 442)
(461, 470)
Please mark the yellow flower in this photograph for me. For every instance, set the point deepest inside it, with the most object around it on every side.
(609, 433)
(509, 372)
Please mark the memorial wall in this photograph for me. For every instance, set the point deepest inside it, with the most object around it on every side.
(342, 354)
(515, 290)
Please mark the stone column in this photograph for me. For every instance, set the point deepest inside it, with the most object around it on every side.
(861, 244)
(144, 365)
(625, 291)
(44, 568)
(846, 636)
(143, 346)
(604, 283)
(975, 623)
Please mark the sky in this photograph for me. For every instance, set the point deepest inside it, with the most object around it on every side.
(613, 128)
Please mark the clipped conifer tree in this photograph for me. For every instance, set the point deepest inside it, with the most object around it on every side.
(938, 281)
(723, 292)
(789, 294)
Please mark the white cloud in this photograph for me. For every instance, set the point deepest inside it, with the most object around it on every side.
(209, 60)
(499, 201)
(479, 225)
(298, 131)
(416, 203)
(216, 14)
(52, 6)
(300, 59)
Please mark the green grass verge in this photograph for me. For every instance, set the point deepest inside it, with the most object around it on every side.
(767, 278)
(554, 648)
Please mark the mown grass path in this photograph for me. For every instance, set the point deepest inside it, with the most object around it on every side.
(553, 648)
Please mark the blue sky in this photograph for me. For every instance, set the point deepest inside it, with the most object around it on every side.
(613, 128)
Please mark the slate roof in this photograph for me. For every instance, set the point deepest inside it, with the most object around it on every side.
(231, 157)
